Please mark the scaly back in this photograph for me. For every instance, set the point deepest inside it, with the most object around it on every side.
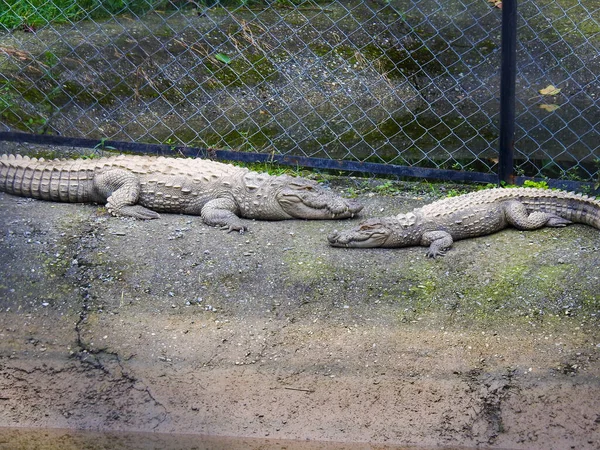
(71, 179)
(569, 205)
(136, 164)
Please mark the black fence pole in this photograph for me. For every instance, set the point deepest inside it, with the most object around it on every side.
(507, 92)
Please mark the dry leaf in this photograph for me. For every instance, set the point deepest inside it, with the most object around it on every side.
(496, 3)
(550, 90)
(549, 108)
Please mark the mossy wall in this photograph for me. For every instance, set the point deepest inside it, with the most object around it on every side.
(388, 84)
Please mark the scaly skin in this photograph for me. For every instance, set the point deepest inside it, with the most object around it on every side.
(138, 186)
(439, 224)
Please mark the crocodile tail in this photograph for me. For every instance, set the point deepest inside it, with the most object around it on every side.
(572, 206)
(586, 210)
(56, 180)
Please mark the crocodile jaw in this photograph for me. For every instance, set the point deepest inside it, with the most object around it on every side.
(311, 201)
(371, 233)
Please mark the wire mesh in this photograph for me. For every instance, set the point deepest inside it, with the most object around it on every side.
(407, 82)
(558, 114)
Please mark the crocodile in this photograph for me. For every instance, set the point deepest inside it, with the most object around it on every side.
(480, 213)
(142, 186)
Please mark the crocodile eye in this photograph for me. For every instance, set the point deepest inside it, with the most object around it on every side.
(370, 224)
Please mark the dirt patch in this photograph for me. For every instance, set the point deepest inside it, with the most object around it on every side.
(171, 326)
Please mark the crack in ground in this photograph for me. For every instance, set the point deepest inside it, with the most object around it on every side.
(97, 358)
(489, 391)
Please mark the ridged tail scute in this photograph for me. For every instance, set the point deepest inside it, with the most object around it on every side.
(586, 210)
(575, 207)
(57, 180)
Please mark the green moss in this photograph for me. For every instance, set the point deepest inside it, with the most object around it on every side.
(419, 131)
(244, 70)
(589, 27)
(57, 263)
(275, 169)
(395, 62)
(74, 90)
(164, 32)
(33, 93)
(46, 94)
(424, 128)
(487, 46)
(399, 63)
(11, 111)
(320, 48)
(524, 291)
(502, 290)
(248, 140)
(516, 292)
(295, 18)
(304, 267)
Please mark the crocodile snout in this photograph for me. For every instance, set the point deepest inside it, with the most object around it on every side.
(339, 238)
(333, 236)
(354, 207)
(343, 208)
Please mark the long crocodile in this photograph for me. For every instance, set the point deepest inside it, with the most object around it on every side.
(141, 186)
(440, 223)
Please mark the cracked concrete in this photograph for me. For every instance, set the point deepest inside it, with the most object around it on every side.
(171, 326)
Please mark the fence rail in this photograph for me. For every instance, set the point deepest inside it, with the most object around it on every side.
(409, 87)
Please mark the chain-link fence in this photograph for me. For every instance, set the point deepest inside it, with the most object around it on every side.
(404, 82)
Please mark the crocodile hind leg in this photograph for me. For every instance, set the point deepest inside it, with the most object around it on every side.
(518, 217)
(121, 189)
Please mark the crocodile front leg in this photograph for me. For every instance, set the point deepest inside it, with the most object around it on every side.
(222, 212)
(121, 189)
(439, 242)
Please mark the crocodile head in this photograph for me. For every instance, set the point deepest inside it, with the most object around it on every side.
(379, 232)
(306, 199)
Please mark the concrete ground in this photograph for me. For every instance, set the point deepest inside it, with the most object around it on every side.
(170, 326)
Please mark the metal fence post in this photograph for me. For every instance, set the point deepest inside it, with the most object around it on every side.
(507, 91)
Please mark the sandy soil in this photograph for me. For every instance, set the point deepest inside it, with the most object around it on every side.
(171, 326)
